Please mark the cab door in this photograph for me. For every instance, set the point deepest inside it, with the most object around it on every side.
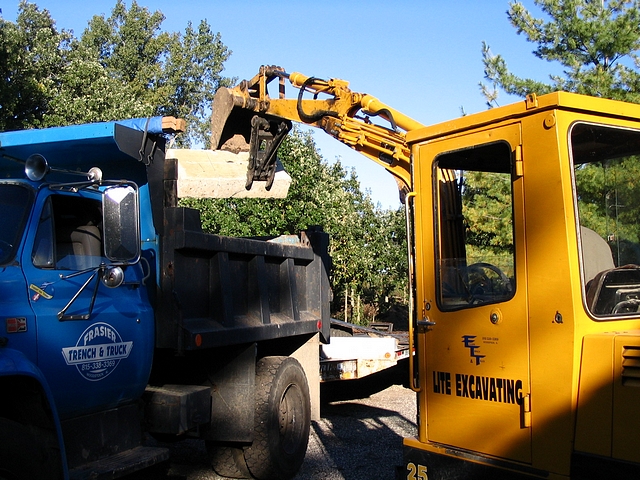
(94, 343)
(477, 353)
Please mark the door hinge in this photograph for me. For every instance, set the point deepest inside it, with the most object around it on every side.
(526, 411)
(519, 168)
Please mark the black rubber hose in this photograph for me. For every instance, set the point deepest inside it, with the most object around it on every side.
(315, 116)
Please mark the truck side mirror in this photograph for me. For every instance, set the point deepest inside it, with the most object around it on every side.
(121, 224)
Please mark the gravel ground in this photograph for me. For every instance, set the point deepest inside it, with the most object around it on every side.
(359, 436)
(361, 439)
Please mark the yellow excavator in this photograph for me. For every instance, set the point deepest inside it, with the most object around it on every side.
(524, 251)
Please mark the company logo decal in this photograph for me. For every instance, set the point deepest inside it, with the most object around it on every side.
(476, 387)
(16, 325)
(40, 292)
(469, 342)
(97, 352)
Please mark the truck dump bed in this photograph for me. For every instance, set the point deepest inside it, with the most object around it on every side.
(217, 290)
(220, 290)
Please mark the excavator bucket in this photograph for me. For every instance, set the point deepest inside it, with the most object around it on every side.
(236, 127)
(230, 126)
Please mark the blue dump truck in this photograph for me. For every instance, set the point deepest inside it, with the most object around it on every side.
(122, 319)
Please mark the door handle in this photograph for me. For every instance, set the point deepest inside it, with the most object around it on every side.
(425, 323)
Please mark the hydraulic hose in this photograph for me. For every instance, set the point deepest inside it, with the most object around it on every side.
(315, 116)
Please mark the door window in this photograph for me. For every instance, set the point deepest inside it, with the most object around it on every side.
(476, 258)
(69, 234)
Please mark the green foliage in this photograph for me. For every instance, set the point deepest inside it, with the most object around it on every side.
(609, 198)
(122, 66)
(487, 206)
(30, 56)
(596, 42)
(367, 244)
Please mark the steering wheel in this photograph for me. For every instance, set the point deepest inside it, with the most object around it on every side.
(480, 284)
(629, 306)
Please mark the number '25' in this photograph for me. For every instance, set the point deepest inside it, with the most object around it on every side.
(418, 472)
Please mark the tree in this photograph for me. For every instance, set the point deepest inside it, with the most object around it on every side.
(31, 53)
(596, 42)
(387, 237)
(487, 206)
(122, 66)
(175, 73)
(609, 198)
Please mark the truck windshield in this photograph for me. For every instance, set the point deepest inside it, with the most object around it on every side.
(606, 166)
(15, 205)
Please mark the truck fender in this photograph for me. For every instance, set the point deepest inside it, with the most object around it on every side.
(14, 365)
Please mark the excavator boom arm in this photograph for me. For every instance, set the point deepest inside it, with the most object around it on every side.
(333, 107)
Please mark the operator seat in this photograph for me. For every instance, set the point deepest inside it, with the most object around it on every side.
(81, 247)
(596, 254)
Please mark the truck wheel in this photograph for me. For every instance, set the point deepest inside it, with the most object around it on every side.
(27, 453)
(282, 419)
(228, 461)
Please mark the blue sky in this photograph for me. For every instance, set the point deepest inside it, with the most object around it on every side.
(422, 58)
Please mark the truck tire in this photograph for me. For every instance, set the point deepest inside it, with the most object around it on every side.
(282, 419)
(27, 453)
(228, 461)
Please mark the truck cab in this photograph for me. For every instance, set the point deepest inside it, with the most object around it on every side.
(78, 329)
(123, 318)
(527, 291)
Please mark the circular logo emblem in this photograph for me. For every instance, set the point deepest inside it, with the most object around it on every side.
(97, 352)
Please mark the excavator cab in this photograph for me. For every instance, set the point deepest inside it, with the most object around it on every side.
(524, 271)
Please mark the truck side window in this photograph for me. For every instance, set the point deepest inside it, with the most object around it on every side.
(606, 168)
(69, 235)
(475, 226)
(15, 205)
(42, 254)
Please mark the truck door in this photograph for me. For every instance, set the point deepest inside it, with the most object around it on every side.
(477, 359)
(94, 356)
